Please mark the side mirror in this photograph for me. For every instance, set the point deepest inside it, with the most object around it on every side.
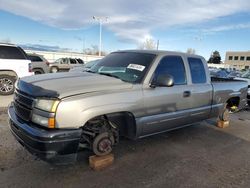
(163, 80)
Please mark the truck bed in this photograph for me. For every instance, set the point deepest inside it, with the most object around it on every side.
(215, 79)
(224, 88)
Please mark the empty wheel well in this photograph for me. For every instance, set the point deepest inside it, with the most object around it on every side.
(9, 73)
(124, 121)
(234, 101)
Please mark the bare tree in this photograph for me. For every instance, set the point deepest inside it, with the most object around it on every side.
(191, 51)
(148, 44)
(93, 51)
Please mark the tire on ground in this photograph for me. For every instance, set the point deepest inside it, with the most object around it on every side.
(38, 71)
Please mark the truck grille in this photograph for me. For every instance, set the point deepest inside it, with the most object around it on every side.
(23, 105)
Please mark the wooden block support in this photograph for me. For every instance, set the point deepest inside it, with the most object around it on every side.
(222, 124)
(100, 162)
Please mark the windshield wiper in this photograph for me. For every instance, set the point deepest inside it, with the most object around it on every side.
(90, 71)
(108, 74)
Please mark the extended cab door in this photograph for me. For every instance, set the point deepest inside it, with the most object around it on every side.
(201, 89)
(187, 101)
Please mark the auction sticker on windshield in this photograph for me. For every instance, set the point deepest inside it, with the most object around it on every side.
(136, 67)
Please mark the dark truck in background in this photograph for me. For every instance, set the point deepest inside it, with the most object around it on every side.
(130, 94)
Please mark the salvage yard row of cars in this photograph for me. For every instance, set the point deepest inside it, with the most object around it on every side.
(131, 94)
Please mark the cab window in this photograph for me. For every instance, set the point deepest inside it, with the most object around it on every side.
(197, 70)
(174, 66)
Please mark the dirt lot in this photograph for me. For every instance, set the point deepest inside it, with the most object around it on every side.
(198, 156)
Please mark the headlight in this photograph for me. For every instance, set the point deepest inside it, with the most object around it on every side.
(44, 121)
(47, 105)
(47, 118)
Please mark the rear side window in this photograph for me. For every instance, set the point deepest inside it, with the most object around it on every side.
(10, 52)
(80, 61)
(174, 66)
(197, 70)
(34, 58)
(73, 61)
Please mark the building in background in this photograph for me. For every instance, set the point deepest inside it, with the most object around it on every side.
(238, 60)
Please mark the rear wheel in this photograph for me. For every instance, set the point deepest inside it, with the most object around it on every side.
(7, 85)
(38, 71)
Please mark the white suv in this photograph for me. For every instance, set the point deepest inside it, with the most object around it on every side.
(13, 65)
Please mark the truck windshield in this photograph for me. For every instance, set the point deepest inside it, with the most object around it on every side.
(127, 66)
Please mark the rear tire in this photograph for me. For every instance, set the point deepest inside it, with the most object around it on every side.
(7, 84)
(38, 71)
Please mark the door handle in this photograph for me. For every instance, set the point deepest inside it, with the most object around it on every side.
(186, 93)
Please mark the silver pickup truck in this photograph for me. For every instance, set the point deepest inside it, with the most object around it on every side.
(130, 94)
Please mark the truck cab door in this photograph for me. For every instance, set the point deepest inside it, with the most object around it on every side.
(167, 107)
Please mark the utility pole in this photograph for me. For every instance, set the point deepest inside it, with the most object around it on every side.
(101, 20)
(157, 46)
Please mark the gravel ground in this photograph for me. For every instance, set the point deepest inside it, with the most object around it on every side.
(5, 100)
(198, 156)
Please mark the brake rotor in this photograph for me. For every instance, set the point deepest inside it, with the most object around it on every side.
(102, 144)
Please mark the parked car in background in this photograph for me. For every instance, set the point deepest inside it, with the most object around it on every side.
(39, 65)
(64, 64)
(246, 77)
(14, 64)
(218, 73)
(234, 74)
(132, 94)
(85, 67)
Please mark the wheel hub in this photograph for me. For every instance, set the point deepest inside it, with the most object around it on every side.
(104, 145)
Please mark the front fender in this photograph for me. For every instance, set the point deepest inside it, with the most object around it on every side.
(90, 113)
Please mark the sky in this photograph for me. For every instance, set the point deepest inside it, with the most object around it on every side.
(205, 26)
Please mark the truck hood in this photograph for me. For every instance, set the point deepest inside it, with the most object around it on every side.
(67, 84)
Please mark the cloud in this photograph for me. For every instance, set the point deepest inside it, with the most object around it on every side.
(226, 28)
(40, 47)
(130, 20)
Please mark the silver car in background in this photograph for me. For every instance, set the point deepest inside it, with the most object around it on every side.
(39, 65)
(87, 66)
(65, 64)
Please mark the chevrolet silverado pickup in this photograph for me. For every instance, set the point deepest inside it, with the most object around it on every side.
(130, 94)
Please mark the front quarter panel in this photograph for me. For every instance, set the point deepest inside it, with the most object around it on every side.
(75, 111)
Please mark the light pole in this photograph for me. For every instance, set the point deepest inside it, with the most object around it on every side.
(101, 20)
